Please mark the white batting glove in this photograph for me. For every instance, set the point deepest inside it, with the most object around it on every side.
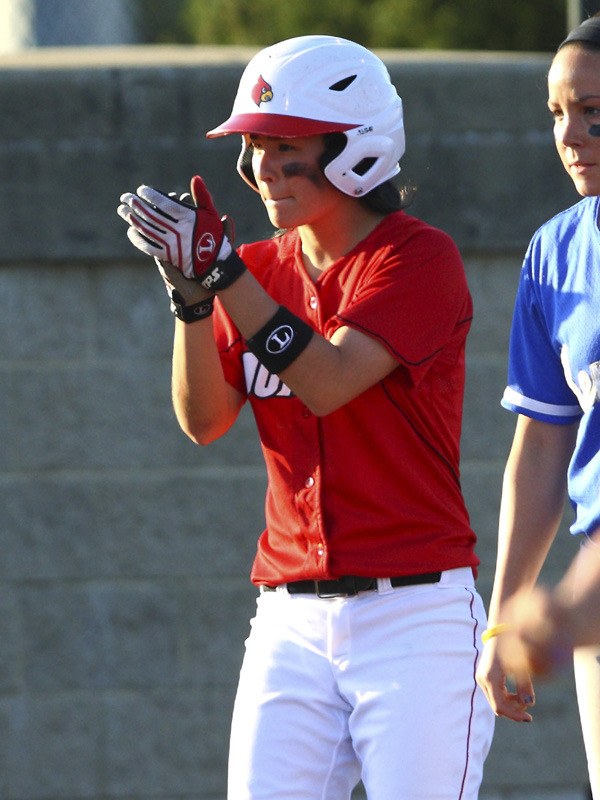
(187, 234)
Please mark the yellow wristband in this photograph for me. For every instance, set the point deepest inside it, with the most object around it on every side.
(495, 630)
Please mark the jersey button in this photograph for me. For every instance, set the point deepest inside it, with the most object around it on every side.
(309, 482)
(320, 551)
(313, 302)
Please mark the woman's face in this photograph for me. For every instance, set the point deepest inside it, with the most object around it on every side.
(290, 181)
(574, 101)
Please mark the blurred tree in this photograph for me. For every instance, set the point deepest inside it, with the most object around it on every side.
(265, 21)
(464, 25)
(429, 24)
(163, 22)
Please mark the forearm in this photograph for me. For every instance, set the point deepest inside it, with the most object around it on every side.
(544, 625)
(204, 403)
(527, 527)
(577, 596)
(533, 498)
(327, 374)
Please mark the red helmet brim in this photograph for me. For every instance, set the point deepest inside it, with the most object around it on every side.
(278, 126)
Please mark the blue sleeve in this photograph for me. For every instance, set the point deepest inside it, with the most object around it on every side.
(537, 386)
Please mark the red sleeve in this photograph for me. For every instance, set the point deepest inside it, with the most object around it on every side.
(412, 299)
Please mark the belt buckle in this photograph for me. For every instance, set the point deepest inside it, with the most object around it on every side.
(322, 592)
(347, 583)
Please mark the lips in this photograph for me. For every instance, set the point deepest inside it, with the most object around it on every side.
(580, 166)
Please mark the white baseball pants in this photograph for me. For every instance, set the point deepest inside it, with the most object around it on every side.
(379, 687)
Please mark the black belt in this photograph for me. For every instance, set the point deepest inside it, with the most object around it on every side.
(350, 585)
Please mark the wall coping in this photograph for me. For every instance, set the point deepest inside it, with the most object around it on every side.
(157, 56)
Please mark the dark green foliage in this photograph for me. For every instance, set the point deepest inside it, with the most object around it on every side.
(430, 24)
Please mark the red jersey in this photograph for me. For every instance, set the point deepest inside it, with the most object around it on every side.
(373, 488)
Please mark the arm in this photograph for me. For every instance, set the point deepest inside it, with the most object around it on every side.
(328, 373)
(205, 404)
(325, 375)
(577, 596)
(546, 624)
(533, 497)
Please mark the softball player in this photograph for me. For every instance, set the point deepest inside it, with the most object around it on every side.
(346, 334)
(554, 385)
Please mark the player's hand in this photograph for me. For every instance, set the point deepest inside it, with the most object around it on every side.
(188, 234)
(188, 291)
(180, 289)
(492, 676)
(539, 639)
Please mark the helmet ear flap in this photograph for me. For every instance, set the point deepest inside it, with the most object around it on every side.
(365, 163)
(244, 165)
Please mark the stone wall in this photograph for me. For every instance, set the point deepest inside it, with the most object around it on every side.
(125, 549)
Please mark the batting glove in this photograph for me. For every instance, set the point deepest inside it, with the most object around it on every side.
(187, 233)
(190, 301)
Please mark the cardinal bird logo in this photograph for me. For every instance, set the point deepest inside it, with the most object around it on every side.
(262, 92)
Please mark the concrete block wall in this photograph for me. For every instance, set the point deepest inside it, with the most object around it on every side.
(125, 549)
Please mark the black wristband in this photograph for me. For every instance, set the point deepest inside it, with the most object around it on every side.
(279, 343)
(191, 313)
(223, 273)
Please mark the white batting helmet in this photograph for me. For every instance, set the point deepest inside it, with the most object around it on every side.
(312, 85)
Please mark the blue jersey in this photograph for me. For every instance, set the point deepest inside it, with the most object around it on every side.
(554, 358)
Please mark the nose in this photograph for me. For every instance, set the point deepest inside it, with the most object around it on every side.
(263, 166)
(570, 131)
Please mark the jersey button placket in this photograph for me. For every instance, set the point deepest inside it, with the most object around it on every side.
(310, 501)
